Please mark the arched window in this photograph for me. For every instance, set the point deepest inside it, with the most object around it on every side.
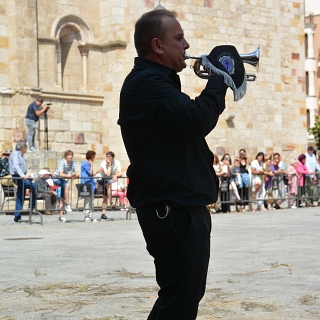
(72, 35)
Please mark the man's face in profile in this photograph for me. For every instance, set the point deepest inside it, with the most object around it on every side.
(173, 45)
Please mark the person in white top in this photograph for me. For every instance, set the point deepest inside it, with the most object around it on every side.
(311, 163)
(111, 172)
(257, 179)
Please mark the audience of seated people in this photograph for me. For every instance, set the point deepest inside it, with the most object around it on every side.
(266, 181)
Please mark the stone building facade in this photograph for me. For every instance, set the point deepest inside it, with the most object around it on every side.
(312, 63)
(76, 54)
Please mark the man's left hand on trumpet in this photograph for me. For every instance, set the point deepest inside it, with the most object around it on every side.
(226, 61)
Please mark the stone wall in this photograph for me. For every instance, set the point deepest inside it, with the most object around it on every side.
(84, 115)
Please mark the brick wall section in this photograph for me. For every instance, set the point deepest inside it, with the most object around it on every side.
(271, 116)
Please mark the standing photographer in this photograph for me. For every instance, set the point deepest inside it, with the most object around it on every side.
(32, 117)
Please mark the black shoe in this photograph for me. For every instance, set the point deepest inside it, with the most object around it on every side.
(104, 218)
(17, 220)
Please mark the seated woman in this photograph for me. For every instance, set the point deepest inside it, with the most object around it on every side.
(87, 174)
(118, 190)
(44, 191)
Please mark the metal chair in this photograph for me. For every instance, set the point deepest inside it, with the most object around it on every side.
(8, 193)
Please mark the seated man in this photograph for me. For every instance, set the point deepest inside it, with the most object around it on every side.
(44, 191)
(18, 168)
(66, 170)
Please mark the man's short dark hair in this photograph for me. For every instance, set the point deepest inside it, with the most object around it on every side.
(149, 26)
(310, 148)
(39, 99)
(68, 152)
(110, 153)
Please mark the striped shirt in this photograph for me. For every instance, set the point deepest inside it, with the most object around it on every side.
(66, 168)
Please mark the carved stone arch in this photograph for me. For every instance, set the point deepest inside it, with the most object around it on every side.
(84, 35)
(75, 23)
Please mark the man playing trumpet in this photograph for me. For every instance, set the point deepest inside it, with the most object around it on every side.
(171, 174)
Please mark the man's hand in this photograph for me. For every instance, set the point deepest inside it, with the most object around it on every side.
(25, 177)
(226, 61)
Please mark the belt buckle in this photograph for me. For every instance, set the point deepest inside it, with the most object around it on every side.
(167, 210)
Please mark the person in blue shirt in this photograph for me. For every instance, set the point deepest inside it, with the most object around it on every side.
(33, 114)
(18, 169)
(87, 174)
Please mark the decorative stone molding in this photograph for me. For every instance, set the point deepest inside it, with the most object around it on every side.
(7, 91)
(111, 45)
(48, 40)
(70, 96)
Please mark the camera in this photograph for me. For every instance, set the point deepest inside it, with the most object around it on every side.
(242, 154)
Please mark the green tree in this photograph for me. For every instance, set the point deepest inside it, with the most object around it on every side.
(316, 131)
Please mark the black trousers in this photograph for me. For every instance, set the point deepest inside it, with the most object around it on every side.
(180, 246)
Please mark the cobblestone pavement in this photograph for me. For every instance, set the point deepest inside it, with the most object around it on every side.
(263, 266)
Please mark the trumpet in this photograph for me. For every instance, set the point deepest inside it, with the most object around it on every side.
(249, 58)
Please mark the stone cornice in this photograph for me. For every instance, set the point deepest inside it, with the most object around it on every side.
(48, 40)
(59, 95)
(7, 91)
(117, 44)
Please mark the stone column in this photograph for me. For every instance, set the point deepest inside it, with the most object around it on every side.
(59, 67)
(84, 55)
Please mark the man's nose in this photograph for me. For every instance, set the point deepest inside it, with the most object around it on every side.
(186, 44)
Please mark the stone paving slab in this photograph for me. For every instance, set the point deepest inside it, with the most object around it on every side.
(263, 266)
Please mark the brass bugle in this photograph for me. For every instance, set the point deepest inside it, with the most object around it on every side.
(249, 58)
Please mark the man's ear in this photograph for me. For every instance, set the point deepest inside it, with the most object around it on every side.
(156, 46)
